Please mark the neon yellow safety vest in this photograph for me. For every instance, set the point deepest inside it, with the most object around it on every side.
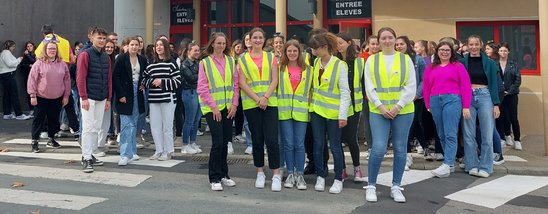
(222, 90)
(258, 83)
(306, 58)
(294, 105)
(359, 64)
(326, 98)
(389, 90)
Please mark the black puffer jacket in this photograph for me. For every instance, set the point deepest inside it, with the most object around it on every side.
(189, 74)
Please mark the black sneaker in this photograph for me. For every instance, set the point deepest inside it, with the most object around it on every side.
(87, 166)
(96, 162)
(53, 144)
(34, 145)
(498, 159)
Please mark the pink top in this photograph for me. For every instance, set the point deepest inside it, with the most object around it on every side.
(449, 79)
(49, 80)
(259, 62)
(295, 74)
(203, 88)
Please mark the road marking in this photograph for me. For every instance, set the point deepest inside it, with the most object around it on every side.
(409, 177)
(497, 192)
(514, 158)
(99, 177)
(108, 159)
(61, 201)
(28, 141)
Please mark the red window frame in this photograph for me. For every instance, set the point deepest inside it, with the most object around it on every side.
(256, 20)
(496, 26)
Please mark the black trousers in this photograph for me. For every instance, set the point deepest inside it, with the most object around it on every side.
(417, 127)
(263, 125)
(309, 147)
(179, 113)
(25, 80)
(47, 109)
(349, 135)
(239, 119)
(510, 116)
(71, 114)
(11, 97)
(221, 134)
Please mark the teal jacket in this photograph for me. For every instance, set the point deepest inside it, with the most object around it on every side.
(490, 68)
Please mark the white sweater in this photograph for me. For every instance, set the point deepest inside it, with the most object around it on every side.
(8, 62)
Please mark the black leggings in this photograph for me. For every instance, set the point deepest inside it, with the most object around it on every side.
(263, 125)
(349, 136)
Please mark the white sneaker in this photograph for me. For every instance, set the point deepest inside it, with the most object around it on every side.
(199, 133)
(337, 187)
(289, 181)
(438, 156)
(249, 150)
(22, 117)
(420, 150)
(196, 147)
(123, 161)
(408, 161)
(396, 194)
(509, 141)
(301, 183)
(517, 145)
(163, 157)
(9, 116)
(370, 193)
(482, 174)
(276, 183)
(207, 129)
(155, 156)
(239, 139)
(100, 154)
(230, 149)
(64, 127)
(187, 149)
(228, 182)
(135, 157)
(216, 186)
(320, 184)
(112, 142)
(473, 171)
(442, 171)
(259, 182)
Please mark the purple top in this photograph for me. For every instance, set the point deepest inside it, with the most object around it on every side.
(449, 79)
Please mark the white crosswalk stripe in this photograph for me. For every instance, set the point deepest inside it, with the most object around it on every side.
(53, 200)
(495, 193)
(110, 178)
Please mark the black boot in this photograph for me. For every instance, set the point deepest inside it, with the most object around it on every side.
(34, 145)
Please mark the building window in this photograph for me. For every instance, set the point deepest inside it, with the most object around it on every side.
(242, 11)
(521, 36)
(267, 11)
(299, 32)
(298, 10)
(217, 13)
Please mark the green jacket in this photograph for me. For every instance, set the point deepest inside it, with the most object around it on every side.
(490, 68)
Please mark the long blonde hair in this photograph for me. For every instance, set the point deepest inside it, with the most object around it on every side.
(44, 56)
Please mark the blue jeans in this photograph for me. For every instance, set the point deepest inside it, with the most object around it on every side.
(292, 134)
(193, 114)
(482, 108)
(380, 130)
(319, 127)
(446, 110)
(76, 98)
(128, 128)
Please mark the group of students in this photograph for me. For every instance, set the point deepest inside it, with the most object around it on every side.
(317, 95)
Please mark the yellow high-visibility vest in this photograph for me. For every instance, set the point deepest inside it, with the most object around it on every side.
(326, 96)
(222, 90)
(258, 83)
(389, 90)
(359, 64)
(294, 105)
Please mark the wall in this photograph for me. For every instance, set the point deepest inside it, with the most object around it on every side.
(21, 20)
(431, 20)
(129, 18)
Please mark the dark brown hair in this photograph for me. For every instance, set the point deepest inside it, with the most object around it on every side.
(324, 39)
(167, 52)
(409, 48)
(257, 29)
(187, 49)
(437, 61)
(350, 51)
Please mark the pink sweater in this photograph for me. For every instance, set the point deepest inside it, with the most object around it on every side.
(450, 79)
(49, 80)
(203, 88)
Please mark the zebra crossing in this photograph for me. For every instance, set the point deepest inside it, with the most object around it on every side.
(492, 193)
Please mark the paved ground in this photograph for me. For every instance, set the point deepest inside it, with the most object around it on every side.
(52, 183)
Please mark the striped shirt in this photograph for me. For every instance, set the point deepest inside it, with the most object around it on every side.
(171, 80)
